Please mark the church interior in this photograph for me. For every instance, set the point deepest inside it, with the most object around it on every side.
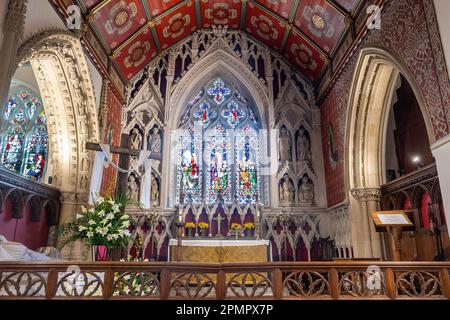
(291, 149)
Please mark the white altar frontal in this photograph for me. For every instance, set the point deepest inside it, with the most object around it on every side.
(220, 250)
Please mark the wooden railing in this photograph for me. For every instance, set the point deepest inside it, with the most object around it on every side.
(283, 280)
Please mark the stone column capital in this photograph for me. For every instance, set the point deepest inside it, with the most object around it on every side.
(366, 194)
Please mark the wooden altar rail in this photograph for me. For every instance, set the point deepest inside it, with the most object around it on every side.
(276, 280)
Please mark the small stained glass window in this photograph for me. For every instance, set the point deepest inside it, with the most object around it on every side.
(24, 147)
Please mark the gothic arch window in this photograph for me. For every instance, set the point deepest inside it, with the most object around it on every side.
(24, 141)
(218, 148)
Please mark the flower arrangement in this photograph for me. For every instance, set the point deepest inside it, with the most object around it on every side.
(249, 225)
(105, 224)
(189, 225)
(235, 226)
(203, 225)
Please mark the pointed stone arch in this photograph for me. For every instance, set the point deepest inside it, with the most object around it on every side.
(218, 60)
(64, 81)
(374, 83)
(59, 64)
(373, 92)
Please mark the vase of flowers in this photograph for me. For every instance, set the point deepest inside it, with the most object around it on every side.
(189, 226)
(203, 228)
(104, 227)
(248, 229)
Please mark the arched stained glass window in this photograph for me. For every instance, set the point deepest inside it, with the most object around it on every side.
(24, 142)
(218, 148)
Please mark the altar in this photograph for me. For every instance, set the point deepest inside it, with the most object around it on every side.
(219, 251)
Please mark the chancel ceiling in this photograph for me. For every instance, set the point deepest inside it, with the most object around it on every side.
(308, 33)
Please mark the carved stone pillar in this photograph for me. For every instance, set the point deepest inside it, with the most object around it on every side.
(12, 33)
(366, 240)
(165, 184)
(70, 205)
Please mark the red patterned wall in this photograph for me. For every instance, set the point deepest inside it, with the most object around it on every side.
(410, 31)
(113, 116)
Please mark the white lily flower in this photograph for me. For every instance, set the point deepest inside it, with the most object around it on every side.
(90, 234)
(78, 216)
(81, 228)
(127, 233)
(110, 216)
(101, 213)
(99, 199)
(91, 222)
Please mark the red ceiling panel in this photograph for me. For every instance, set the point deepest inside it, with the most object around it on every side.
(300, 53)
(220, 12)
(118, 20)
(135, 55)
(321, 22)
(159, 6)
(264, 26)
(349, 5)
(319, 26)
(176, 25)
(280, 7)
(89, 4)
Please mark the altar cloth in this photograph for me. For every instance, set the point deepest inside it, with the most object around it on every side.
(218, 251)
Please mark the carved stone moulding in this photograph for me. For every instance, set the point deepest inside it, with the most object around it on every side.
(366, 194)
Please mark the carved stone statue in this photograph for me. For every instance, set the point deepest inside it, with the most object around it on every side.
(133, 188)
(306, 190)
(136, 139)
(303, 147)
(287, 191)
(155, 192)
(154, 143)
(285, 144)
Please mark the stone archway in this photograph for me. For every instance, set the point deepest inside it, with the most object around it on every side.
(372, 95)
(63, 77)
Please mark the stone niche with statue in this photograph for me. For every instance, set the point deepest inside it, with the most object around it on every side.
(299, 178)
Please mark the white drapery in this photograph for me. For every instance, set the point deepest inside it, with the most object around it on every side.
(103, 158)
(147, 185)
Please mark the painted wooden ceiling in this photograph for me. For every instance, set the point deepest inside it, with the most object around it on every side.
(133, 32)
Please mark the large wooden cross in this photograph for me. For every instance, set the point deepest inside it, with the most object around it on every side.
(113, 149)
(124, 161)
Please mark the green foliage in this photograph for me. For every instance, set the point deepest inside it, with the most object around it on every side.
(104, 224)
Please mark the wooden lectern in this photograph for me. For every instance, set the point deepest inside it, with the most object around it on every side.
(393, 222)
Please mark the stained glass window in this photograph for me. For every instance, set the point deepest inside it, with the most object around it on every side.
(190, 171)
(24, 145)
(218, 181)
(218, 148)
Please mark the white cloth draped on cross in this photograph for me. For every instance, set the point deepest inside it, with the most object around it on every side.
(103, 158)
